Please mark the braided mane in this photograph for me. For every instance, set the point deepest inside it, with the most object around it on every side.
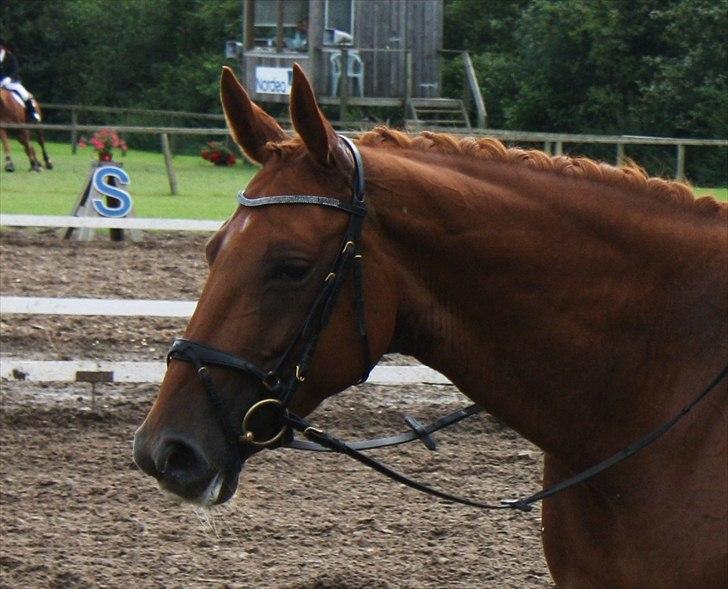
(629, 176)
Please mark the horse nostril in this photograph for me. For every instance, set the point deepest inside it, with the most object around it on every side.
(178, 458)
(182, 468)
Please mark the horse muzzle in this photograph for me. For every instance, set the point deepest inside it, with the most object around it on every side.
(183, 468)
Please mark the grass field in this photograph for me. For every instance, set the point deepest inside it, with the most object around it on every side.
(205, 191)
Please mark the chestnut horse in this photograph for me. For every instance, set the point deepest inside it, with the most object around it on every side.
(11, 111)
(582, 304)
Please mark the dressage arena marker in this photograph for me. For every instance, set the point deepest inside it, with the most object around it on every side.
(97, 371)
(102, 197)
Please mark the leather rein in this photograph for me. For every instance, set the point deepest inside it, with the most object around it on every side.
(280, 388)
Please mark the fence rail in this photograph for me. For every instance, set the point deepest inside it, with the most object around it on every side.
(552, 142)
(66, 221)
(133, 111)
(153, 372)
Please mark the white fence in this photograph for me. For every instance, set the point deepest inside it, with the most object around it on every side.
(139, 372)
(153, 372)
(108, 223)
(89, 306)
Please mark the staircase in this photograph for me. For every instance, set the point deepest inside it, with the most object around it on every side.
(436, 113)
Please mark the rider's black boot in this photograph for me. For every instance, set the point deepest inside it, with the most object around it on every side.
(30, 114)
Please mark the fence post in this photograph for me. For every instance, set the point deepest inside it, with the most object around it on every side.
(620, 154)
(168, 163)
(680, 172)
(74, 131)
(408, 82)
(559, 148)
(344, 80)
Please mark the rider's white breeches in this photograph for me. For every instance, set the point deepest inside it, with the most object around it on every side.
(15, 87)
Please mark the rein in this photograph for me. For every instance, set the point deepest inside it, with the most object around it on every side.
(281, 388)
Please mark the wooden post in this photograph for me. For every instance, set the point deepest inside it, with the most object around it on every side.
(680, 172)
(620, 154)
(248, 24)
(408, 76)
(547, 147)
(74, 131)
(344, 81)
(279, 26)
(558, 148)
(168, 163)
(316, 68)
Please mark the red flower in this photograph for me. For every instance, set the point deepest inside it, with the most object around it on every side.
(104, 142)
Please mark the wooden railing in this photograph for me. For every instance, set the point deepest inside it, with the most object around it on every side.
(471, 89)
(552, 142)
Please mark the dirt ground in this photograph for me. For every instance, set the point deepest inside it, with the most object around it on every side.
(77, 513)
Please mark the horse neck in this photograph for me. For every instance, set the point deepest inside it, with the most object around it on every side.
(546, 299)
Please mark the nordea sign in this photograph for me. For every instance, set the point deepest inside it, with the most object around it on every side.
(273, 80)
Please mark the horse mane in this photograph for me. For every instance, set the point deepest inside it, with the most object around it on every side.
(629, 176)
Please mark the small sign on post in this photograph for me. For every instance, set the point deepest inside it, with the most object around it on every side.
(102, 196)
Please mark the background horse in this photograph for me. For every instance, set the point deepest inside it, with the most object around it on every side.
(11, 111)
(582, 304)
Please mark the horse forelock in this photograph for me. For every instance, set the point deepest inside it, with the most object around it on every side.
(629, 176)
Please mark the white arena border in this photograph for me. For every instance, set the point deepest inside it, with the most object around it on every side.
(152, 372)
(109, 223)
(88, 306)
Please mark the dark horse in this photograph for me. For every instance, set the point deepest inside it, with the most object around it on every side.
(11, 111)
(582, 304)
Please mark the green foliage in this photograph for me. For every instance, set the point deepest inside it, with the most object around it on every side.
(162, 54)
(654, 67)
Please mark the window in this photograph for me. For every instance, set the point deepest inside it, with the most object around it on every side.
(295, 24)
(338, 22)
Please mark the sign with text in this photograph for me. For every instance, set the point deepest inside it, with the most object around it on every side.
(273, 80)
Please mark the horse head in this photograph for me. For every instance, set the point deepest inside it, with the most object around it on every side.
(275, 329)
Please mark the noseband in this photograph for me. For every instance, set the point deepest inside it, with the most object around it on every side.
(280, 387)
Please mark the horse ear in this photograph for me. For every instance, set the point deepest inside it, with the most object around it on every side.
(309, 122)
(250, 126)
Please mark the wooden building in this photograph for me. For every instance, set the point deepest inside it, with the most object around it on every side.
(355, 52)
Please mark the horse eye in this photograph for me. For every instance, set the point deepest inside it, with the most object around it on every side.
(290, 271)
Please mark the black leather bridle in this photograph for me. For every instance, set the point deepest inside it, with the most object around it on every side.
(281, 387)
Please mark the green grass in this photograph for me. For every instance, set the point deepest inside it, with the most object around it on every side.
(719, 193)
(205, 191)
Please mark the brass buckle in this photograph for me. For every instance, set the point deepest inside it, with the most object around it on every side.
(249, 437)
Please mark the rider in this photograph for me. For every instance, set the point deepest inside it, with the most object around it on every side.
(9, 80)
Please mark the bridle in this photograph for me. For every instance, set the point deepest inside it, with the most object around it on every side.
(280, 388)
